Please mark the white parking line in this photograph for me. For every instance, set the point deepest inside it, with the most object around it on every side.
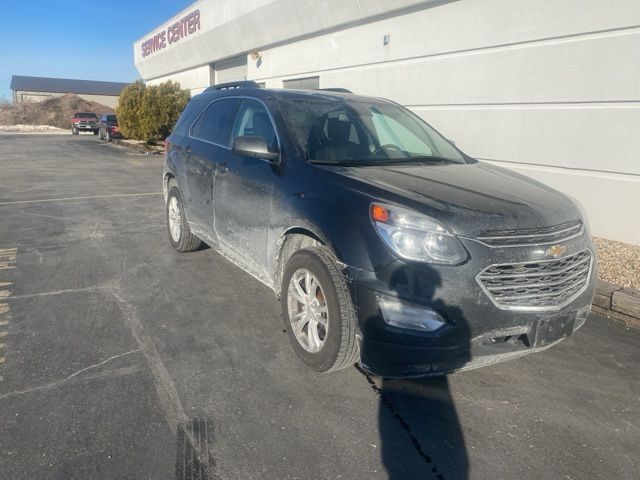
(70, 199)
(7, 261)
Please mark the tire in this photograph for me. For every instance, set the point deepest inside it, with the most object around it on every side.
(95, 132)
(339, 348)
(183, 240)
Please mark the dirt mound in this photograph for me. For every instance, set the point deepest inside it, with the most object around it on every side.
(54, 111)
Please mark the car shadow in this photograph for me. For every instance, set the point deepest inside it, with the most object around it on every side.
(420, 433)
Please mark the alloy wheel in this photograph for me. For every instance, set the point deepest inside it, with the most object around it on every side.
(175, 219)
(308, 312)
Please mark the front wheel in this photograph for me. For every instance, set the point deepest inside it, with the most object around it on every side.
(180, 235)
(318, 311)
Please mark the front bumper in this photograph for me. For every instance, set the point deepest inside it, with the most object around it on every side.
(477, 332)
(85, 127)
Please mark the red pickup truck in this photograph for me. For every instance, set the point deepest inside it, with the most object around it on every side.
(84, 122)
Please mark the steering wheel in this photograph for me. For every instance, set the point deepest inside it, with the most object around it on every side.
(388, 146)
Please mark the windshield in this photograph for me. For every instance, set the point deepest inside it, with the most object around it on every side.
(111, 118)
(86, 115)
(327, 130)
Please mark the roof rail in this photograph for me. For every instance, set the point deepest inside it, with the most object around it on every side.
(337, 90)
(232, 85)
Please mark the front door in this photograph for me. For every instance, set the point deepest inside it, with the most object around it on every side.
(243, 191)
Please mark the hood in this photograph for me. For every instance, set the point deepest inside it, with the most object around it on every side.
(470, 199)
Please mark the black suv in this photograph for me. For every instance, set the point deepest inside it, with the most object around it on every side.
(385, 243)
(108, 127)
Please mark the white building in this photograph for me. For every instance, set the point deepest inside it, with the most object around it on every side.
(550, 88)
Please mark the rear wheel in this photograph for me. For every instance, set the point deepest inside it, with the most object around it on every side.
(318, 311)
(180, 235)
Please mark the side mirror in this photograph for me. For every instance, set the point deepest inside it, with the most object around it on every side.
(254, 147)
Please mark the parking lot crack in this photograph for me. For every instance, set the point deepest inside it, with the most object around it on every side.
(170, 403)
(417, 445)
(58, 292)
(57, 383)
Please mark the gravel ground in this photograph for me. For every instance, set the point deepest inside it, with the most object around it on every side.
(618, 263)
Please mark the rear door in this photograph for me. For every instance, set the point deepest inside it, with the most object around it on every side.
(243, 191)
(208, 145)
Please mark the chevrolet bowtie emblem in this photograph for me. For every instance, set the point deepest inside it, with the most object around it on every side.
(555, 251)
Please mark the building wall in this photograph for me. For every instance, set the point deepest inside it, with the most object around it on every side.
(195, 80)
(23, 96)
(547, 88)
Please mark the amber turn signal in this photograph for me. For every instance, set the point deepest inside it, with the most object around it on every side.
(379, 213)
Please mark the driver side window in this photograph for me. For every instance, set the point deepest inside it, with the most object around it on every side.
(253, 119)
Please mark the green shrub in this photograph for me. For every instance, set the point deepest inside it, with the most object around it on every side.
(128, 110)
(149, 112)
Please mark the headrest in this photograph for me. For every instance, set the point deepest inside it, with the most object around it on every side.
(338, 130)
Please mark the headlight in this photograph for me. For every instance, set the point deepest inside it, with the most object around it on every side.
(415, 236)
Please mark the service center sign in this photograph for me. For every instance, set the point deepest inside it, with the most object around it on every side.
(187, 25)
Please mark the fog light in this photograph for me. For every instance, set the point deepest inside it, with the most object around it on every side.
(408, 315)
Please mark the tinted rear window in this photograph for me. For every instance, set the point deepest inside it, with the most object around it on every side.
(191, 111)
(215, 123)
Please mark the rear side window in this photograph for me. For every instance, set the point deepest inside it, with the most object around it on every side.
(214, 125)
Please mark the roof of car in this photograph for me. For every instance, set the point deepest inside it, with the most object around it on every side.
(251, 91)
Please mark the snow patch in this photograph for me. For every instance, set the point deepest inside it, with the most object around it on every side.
(32, 129)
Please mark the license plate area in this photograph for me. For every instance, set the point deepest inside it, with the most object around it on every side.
(552, 329)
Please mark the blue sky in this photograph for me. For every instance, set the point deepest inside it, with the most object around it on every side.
(88, 40)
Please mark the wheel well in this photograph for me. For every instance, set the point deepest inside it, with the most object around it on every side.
(293, 240)
(165, 184)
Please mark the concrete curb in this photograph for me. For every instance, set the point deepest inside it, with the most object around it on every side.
(622, 304)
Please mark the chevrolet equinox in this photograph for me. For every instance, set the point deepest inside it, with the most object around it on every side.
(385, 243)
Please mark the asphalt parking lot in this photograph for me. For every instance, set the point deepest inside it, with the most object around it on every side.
(121, 358)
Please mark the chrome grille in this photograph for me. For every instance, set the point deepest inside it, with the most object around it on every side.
(532, 236)
(544, 284)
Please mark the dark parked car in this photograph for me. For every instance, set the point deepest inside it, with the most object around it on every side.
(385, 243)
(84, 122)
(108, 127)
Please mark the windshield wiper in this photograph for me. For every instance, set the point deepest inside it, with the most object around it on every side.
(372, 162)
(420, 159)
(347, 163)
